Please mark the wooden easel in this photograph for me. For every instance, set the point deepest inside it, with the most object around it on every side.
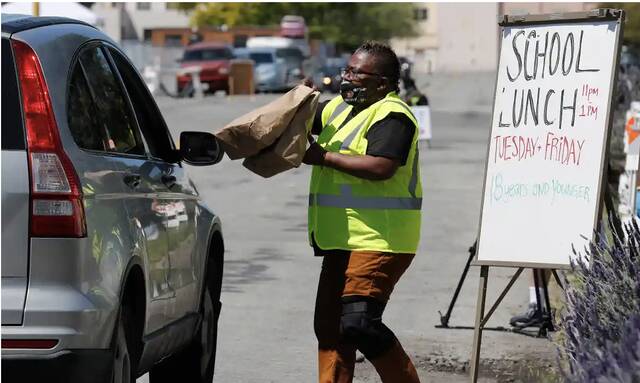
(481, 319)
(502, 257)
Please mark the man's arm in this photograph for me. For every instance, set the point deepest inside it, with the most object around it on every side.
(367, 167)
(316, 127)
(389, 144)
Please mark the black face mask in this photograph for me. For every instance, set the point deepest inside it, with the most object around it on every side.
(353, 94)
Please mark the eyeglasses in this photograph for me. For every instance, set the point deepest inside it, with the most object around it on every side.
(357, 73)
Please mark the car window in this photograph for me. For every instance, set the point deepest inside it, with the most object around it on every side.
(12, 129)
(289, 53)
(331, 70)
(114, 113)
(149, 118)
(207, 54)
(82, 113)
(261, 58)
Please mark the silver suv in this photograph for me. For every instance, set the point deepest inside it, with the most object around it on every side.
(111, 263)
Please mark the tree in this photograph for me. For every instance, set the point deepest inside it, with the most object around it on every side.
(345, 24)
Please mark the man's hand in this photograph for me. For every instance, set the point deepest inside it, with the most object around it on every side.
(309, 82)
(315, 155)
(361, 166)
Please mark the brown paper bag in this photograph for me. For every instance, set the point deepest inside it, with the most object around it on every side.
(249, 134)
(287, 152)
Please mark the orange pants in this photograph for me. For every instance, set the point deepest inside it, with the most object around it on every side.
(362, 274)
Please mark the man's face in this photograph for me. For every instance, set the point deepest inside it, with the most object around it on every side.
(362, 84)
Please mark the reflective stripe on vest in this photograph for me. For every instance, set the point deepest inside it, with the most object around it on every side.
(346, 199)
(336, 112)
(349, 139)
(413, 182)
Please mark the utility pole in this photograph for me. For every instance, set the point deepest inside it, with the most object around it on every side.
(36, 8)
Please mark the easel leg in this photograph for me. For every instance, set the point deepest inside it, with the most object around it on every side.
(545, 320)
(558, 281)
(536, 283)
(477, 335)
(547, 301)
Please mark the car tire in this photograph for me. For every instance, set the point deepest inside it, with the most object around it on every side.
(123, 368)
(196, 363)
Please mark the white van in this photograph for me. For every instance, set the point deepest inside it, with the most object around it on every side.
(279, 42)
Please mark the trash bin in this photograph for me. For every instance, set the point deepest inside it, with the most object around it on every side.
(241, 77)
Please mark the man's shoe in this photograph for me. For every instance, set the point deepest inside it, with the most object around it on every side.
(530, 318)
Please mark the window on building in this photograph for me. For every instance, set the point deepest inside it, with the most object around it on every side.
(172, 40)
(175, 6)
(420, 14)
(147, 34)
(240, 41)
(143, 6)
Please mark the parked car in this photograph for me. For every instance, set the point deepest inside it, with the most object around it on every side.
(111, 263)
(214, 59)
(329, 75)
(276, 69)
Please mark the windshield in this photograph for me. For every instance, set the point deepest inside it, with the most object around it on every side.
(290, 54)
(331, 70)
(261, 58)
(207, 54)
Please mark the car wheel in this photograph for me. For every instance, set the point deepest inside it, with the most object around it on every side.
(196, 363)
(123, 371)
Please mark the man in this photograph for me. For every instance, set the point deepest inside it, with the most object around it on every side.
(532, 316)
(412, 96)
(364, 215)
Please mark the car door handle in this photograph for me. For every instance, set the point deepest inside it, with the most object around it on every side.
(131, 180)
(169, 180)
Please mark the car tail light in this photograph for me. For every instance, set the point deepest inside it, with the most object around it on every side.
(29, 343)
(56, 197)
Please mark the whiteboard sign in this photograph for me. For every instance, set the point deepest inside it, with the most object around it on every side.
(423, 116)
(548, 136)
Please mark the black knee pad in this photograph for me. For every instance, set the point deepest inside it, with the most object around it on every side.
(361, 325)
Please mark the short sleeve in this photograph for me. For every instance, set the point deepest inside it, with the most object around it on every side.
(316, 128)
(391, 137)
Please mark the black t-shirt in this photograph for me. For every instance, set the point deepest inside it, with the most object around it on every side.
(390, 137)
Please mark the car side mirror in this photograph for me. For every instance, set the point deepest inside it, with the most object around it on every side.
(200, 148)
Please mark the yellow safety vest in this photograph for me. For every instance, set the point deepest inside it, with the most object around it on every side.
(351, 213)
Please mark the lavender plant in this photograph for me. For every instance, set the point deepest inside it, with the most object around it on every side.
(601, 323)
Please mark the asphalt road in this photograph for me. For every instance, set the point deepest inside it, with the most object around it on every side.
(266, 325)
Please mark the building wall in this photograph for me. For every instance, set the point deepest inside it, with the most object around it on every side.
(170, 36)
(111, 15)
(468, 37)
(156, 16)
(455, 37)
(463, 37)
(129, 20)
(421, 50)
(533, 8)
